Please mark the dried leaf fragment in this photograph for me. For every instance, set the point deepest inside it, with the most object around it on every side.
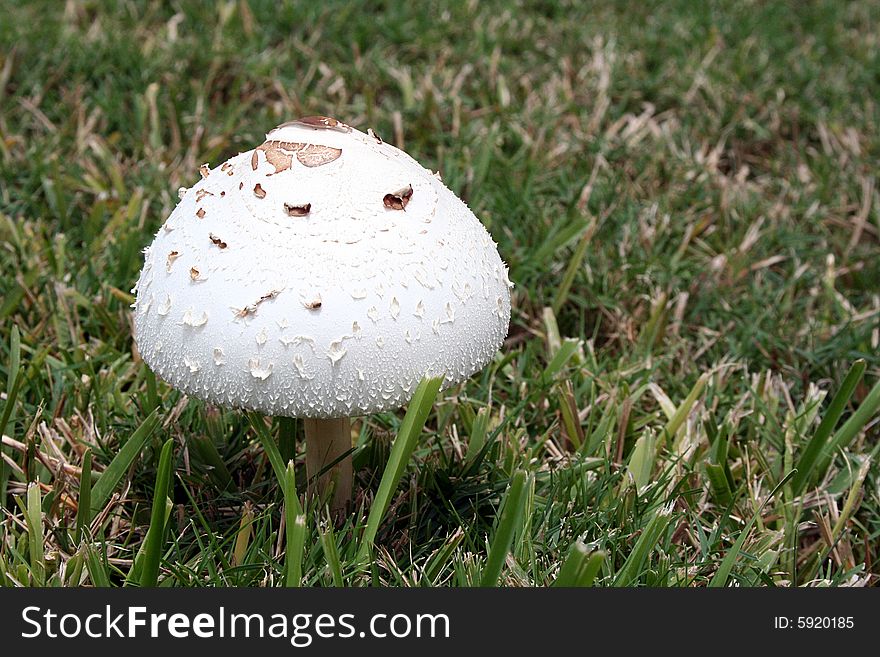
(297, 210)
(398, 200)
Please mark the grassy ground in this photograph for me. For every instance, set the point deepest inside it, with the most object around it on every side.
(686, 195)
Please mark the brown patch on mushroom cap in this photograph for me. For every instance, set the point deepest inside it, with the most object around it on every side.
(200, 213)
(280, 154)
(372, 133)
(202, 193)
(297, 210)
(251, 309)
(398, 200)
(217, 241)
(259, 192)
(313, 303)
(255, 160)
(174, 255)
(193, 273)
(204, 170)
(319, 122)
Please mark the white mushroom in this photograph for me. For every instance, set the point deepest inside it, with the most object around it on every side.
(349, 245)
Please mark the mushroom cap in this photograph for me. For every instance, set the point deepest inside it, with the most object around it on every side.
(322, 274)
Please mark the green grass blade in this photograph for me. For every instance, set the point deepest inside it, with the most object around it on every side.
(628, 574)
(287, 437)
(156, 532)
(560, 358)
(850, 429)
(120, 464)
(574, 265)
(641, 461)
(99, 571)
(34, 520)
(683, 410)
(509, 523)
(721, 492)
(13, 377)
(84, 508)
(331, 554)
(811, 454)
(401, 451)
(442, 556)
(580, 567)
(294, 529)
(723, 573)
(477, 437)
(274, 455)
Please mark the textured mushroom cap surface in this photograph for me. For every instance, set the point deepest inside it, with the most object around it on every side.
(322, 274)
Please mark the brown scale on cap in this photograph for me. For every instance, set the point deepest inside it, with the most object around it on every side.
(202, 193)
(200, 213)
(297, 210)
(251, 309)
(216, 241)
(174, 255)
(204, 170)
(259, 192)
(280, 154)
(398, 200)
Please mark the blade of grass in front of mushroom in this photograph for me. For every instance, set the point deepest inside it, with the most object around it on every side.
(295, 520)
(103, 488)
(401, 450)
(258, 423)
(287, 437)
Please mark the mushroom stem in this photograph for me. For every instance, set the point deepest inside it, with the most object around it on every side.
(329, 441)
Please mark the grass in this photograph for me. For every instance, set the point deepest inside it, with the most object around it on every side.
(686, 194)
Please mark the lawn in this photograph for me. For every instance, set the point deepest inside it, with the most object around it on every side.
(686, 195)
